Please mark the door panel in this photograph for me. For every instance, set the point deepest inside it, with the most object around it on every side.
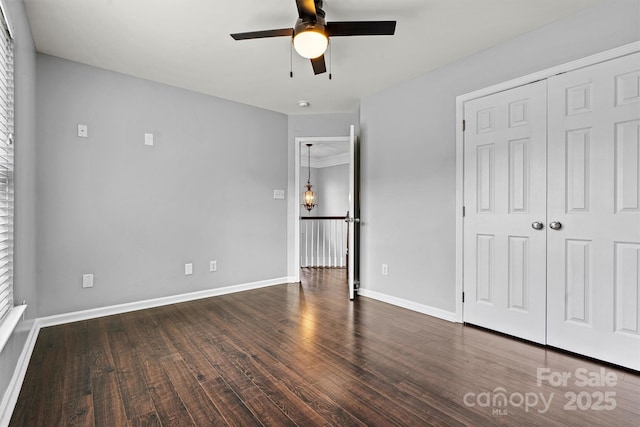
(518, 273)
(518, 174)
(627, 167)
(505, 191)
(627, 266)
(578, 171)
(594, 192)
(578, 281)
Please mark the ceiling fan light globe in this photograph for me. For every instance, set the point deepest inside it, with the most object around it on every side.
(310, 44)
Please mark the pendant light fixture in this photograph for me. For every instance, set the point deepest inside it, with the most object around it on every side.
(308, 196)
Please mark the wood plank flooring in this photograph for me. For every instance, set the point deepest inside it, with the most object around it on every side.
(303, 355)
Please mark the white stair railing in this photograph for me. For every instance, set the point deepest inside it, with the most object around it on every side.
(323, 241)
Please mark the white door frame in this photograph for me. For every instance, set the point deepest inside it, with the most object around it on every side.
(299, 141)
(460, 100)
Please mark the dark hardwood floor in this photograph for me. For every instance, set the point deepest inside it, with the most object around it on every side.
(304, 355)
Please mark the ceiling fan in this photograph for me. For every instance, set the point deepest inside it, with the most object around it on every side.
(311, 32)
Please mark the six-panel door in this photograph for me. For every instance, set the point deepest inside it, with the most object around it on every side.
(594, 193)
(505, 194)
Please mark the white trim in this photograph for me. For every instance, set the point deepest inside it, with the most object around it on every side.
(9, 323)
(337, 160)
(460, 100)
(410, 305)
(327, 162)
(296, 205)
(549, 72)
(13, 389)
(93, 313)
(459, 207)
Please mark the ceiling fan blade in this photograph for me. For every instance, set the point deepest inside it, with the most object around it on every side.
(307, 10)
(282, 32)
(361, 28)
(318, 65)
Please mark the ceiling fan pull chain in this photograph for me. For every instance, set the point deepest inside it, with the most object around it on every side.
(291, 59)
(330, 58)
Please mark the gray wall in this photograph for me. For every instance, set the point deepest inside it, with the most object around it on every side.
(331, 187)
(133, 215)
(25, 183)
(408, 150)
(333, 181)
(309, 125)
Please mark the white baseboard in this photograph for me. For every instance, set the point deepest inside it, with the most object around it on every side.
(13, 390)
(410, 305)
(93, 313)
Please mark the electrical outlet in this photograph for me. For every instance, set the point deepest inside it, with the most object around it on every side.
(83, 131)
(213, 265)
(188, 269)
(385, 270)
(87, 280)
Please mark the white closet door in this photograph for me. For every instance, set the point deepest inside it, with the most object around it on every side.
(594, 195)
(505, 193)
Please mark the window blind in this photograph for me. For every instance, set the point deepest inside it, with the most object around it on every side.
(6, 169)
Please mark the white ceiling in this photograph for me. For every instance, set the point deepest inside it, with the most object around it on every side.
(186, 43)
(324, 154)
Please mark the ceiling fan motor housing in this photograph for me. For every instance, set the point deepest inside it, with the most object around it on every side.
(302, 26)
(308, 21)
(310, 37)
(319, 11)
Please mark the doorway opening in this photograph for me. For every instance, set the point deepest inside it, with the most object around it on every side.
(322, 232)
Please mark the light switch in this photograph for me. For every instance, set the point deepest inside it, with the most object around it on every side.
(278, 194)
(83, 131)
(148, 139)
(188, 269)
(87, 280)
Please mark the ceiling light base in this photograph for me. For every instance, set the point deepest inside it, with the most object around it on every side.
(310, 39)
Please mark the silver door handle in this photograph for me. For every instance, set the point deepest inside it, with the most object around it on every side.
(537, 225)
(555, 225)
(352, 220)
